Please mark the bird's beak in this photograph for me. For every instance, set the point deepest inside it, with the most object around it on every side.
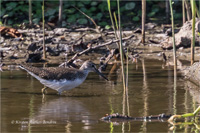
(101, 74)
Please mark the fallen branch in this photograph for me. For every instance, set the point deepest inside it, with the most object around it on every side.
(70, 62)
(119, 117)
(81, 37)
(103, 65)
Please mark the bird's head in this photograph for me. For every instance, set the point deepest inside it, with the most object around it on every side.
(90, 66)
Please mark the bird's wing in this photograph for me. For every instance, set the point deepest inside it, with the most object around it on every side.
(53, 73)
(34, 71)
(30, 69)
(59, 73)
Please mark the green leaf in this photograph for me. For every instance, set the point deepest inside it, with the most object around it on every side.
(103, 23)
(10, 22)
(155, 9)
(103, 6)
(99, 16)
(36, 5)
(21, 2)
(82, 21)
(94, 3)
(26, 21)
(70, 11)
(79, 4)
(130, 6)
(139, 13)
(71, 19)
(50, 12)
(83, 9)
(71, 3)
(136, 18)
(64, 16)
(24, 8)
(177, 15)
(2, 13)
(11, 5)
(151, 14)
(38, 14)
(10, 14)
(65, 6)
(107, 27)
(113, 3)
(36, 20)
(92, 9)
(87, 2)
(130, 14)
(77, 15)
(123, 9)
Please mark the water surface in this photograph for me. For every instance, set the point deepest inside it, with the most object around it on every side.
(151, 91)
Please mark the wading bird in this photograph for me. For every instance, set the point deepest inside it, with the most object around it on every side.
(61, 79)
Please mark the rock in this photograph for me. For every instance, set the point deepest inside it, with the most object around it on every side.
(34, 58)
(14, 57)
(168, 32)
(192, 73)
(52, 52)
(150, 26)
(1, 55)
(2, 39)
(184, 36)
(60, 31)
(55, 40)
(33, 46)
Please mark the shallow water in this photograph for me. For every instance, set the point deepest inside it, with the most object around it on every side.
(151, 92)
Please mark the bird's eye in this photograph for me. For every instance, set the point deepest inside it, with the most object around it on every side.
(93, 65)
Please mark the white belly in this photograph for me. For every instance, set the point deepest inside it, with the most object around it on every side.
(62, 85)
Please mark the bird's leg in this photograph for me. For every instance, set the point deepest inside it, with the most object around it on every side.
(44, 90)
(43, 98)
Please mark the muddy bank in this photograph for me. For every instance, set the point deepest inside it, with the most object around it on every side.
(64, 44)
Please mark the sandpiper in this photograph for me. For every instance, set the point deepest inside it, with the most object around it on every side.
(61, 79)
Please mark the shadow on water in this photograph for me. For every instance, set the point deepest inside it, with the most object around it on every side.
(151, 91)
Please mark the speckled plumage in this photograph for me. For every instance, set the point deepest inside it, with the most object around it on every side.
(59, 78)
(55, 73)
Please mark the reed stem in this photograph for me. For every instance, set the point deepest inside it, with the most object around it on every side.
(30, 11)
(60, 12)
(43, 22)
(183, 10)
(193, 30)
(143, 20)
(121, 47)
(173, 35)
